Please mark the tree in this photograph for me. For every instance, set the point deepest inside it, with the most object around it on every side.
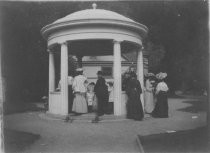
(72, 65)
(156, 54)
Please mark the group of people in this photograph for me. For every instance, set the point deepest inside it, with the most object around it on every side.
(155, 95)
(98, 97)
(156, 101)
(87, 97)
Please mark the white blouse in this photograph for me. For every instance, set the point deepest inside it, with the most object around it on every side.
(162, 86)
(79, 84)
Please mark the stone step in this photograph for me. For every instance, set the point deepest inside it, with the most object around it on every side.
(90, 116)
(83, 118)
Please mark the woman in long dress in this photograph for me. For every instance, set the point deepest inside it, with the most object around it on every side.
(102, 95)
(79, 88)
(149, 94)
(161, 107)
(134, 106)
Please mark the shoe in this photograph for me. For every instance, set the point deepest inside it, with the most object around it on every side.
(96, 120)
(66, 119)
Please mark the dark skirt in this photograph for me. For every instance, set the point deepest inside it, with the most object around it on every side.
(102, 105)
(134, 107)
(110, 108)
(70, 98)
(161, 107)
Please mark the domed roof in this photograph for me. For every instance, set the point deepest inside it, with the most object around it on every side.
(95, 17)
(93, 14)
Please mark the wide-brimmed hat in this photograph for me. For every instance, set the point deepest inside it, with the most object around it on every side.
(161, 75)
(149, 74)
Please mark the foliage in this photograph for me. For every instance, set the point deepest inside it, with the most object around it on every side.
(156, 54)
(177, 41)
(72, 65)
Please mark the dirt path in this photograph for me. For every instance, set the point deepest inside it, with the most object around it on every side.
(58, 136)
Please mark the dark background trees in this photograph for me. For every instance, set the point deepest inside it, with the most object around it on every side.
(177, 41)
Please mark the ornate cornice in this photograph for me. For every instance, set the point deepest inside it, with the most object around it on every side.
(49, 29)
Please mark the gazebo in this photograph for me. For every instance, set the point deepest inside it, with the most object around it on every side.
(92, 32)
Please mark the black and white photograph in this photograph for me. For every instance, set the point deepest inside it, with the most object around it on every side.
(112, 76)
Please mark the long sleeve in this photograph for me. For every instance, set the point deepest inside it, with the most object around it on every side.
(139, 87)
(127, 89)
(96, 86)
(74, 83)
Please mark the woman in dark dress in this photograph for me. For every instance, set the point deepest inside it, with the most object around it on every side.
(125, 80)
(134, 105)
(161, 107)
(70, 97)
(101, 91)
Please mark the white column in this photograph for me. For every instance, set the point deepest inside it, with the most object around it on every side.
(64, 78)
(51, 72)
(117, 77)
(140, 72)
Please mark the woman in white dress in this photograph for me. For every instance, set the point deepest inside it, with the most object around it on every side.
(79, 87)
(149, 93)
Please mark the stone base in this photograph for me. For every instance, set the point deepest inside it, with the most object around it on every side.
(82, 118)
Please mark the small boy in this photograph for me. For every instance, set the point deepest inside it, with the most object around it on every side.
(111, 98)
(90, 96)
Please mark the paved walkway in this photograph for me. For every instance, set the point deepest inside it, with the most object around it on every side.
(120, 136)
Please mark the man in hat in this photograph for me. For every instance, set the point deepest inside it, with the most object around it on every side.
(101, 91)
(79, 89)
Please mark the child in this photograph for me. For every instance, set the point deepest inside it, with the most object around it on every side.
(90, 95)
(111, 98)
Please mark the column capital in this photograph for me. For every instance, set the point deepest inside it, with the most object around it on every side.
(117, 41)
(140, 49)
(63, 43)
(50, 50)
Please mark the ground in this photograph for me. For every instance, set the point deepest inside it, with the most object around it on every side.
(33, 131)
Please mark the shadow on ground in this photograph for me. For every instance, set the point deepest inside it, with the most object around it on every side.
(183, 141)
(17, 141)
(20, 107)
(196, 106)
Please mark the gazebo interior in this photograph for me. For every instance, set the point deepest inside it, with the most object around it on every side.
(95, 47)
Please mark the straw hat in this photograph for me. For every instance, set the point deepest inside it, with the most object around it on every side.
(149, 75)
(161, 75)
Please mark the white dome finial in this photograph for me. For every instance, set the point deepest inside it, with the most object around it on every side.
(94, 5)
